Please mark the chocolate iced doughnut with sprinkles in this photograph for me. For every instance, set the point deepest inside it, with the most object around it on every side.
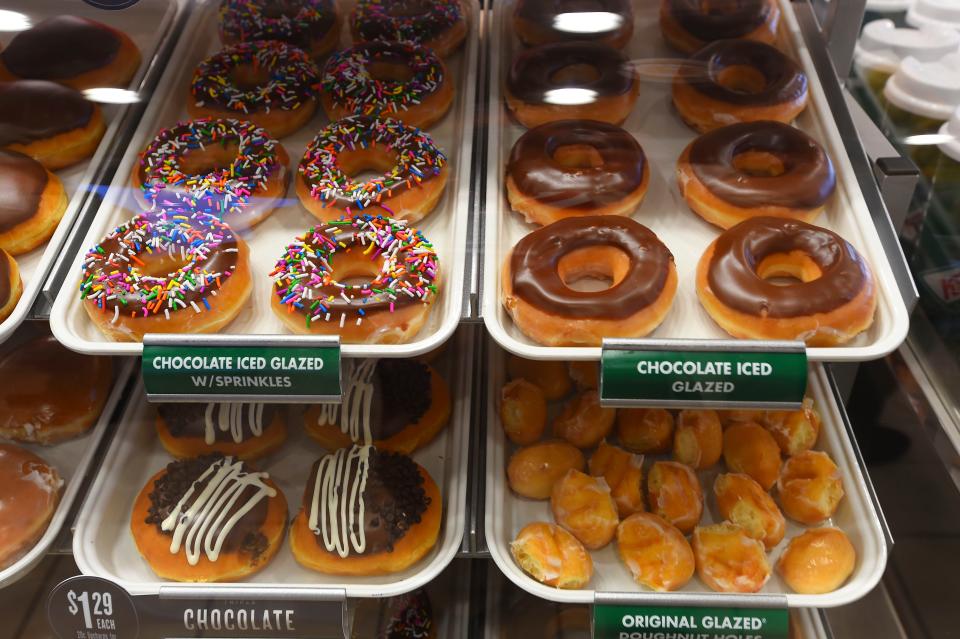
(165, 273)
(247, 431)
(399, 80)
(310, 296)
(11, 286)
(413, 179)
(437, 24)
(311, 25)
(270, 83)
(228, 169)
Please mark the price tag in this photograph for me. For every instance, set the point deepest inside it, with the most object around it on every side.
(92, 608)
(703, 374)
(254, 368)
(643, 622)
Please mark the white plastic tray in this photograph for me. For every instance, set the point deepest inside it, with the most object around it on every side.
(663, 136)
(446, 226)
(147, 24)
(507, 513)
(103, 546)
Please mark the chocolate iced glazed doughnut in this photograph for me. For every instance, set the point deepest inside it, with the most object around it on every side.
(538, 273)
(310, 25)
(436, 24)
(11, 286)
(733, 81)
(689, 25)
(32, 201)
(571, 81)
(51, 123)
(573, 168)
(608, 22)
(366, 512)
(755, 169)
(832, 302)
(246, 431)
(210, 518)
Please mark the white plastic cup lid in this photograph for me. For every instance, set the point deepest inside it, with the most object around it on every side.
(888, 6)
(929, 89)
(944, 13)
(950, 133)
(882, 45)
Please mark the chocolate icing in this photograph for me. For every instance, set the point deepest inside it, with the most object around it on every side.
(733, 278)
(283, 21)
(33, 110)
(188, 420)
(402, 396)
(60, 48)
(535, 258)
(531, 74)
(711, 20)
(430, 23)
(540, 16)
(540, 176)
(22, 181)
(785, 81)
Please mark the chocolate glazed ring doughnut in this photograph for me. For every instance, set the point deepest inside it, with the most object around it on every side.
(689, 25)
(573, 168)
(571, 80)
(733, 81)
(755, 169)
(608, 22)
(537, 276)
(833, 301)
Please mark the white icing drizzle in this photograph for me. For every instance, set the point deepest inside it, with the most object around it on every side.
(337, 509)
(230, 418)
(202, 523)
(355, 415)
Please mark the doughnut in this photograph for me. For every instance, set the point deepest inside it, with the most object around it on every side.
(608, 22)
(29, 492)
(32, 202)
(387, 519)
(226, 168)
(794, 430)
(585, 375)
(832, 302)
(689, 25)
(571, 168)
(754, 169)
(552, 556)
(729, 560)
(623, 472)
(73, 51)
(406, 615)
(810, 487)
(583, 505)
(272, 84)
(538, 272)
(698, 438)
(571, 81)
(311, 25)
(645, 430)
(436, 24)
(533, 471)
(37, 406)
(551, 376)
(656, 553)
(413, 171)
(53, 124)
(744, 502)
(583, 421)
(399, 80)
(738, 415)
(733, 81)
(816, 561)
(750, 449)
(674, 493)
(11, 286)
(244, 431)
(210, 518)
(523, 412)
(403, 403)
(166, 273)
(400, 263)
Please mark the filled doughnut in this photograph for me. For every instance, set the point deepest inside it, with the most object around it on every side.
(536, 279)
(226, 168)
(11, 286)
(523, 412)
(366, 512)
(32, 202)
(832, 302)
(674, 493)
(810, 487)
(532, 471)
(53, 124)
(73, 51)
(689, 25)
(733, 81)
(818, 560)
(698, 438)
(656, 553)
(399, 266)
(585, 375)
(608, 22)
(310, 25)
(755, 169)
(210, 518)
(37, 406)
(436, 24)
(551, 376)
(623, 472)
(165, 273)
(244, 431)
(794, 430)
(29, 492)
(552, 556)
(744, 502)
(572, 168)
(413, 170)
(571, 81)
(750, 449)
(645, 430)
(583, 421)
(272, 84)
(398, 80)
(583, 505)
(729, 560)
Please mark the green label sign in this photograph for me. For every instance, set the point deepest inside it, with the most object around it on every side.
(651, 622)
(704, 374)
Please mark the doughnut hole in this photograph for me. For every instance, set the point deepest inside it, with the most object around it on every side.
(214, 157)
(579, 74)
(593, 268)
(160, 264)
(390, 71)
(784, 269)
(281, 9)
(353, 268)
(759, 163)
(741, 78)
(247, 77)
(577, 156)
(363, 165)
